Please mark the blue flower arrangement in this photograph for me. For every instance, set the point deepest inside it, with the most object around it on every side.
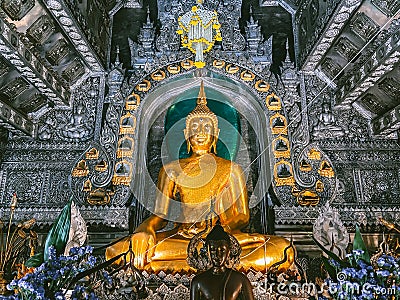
(359, 277)
(52, 279)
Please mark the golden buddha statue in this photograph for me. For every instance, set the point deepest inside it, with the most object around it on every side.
(204, 184)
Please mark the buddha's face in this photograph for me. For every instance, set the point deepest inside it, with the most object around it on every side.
(200, 133)
(219, 251)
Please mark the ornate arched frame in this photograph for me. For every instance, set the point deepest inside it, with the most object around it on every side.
(163, 97)
(248, 91)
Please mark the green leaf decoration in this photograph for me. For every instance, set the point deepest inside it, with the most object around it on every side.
(329, 268)
(358, 244)
(59, 232)
(332, 255)
(35, 260)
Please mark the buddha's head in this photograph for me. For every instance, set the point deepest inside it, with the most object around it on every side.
(201, 132)
(219, 244)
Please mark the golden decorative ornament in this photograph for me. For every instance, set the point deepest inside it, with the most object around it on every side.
(314, 154)
(144, 86)
(132, 102)
(278, 124)
(295, 191)
(308, 198)
(326, 170)
(92, 154)
(174, 69)
(87, 186)
(187, 64)
(283, 173)
(122, 173)
(99, 197)
(127, 124)
(281, 147)
(262, 86)
(305, 166)
(158, 75)
(101, 166)
(273, 102)
(199, 29)
(219, 64)
(125, 147)
(319, 186)
(246, 75)
(231, 69)
(80, 169)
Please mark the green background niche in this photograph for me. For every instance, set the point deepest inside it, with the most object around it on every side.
(228, 122)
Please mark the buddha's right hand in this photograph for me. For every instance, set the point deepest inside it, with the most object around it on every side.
(143, 245)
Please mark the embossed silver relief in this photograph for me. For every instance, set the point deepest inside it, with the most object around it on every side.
(372, 103)
(27, 185)
(388, 7)
(330, 232)
(391, 87)
(168, 40)
(3, 67)
(254, 36)
(232, 39)
(41, 29)
(314, 11)
(346, 48)
(76, 124)
(15, 87)
(363, 26)
(330, 67)
(17, 9)
(57, 52)
(380, 187)
(74, 70)
(326, 125)
(79, 126)
(146, 38)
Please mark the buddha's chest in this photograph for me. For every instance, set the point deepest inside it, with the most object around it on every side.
(217, 289)
(200, 183)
